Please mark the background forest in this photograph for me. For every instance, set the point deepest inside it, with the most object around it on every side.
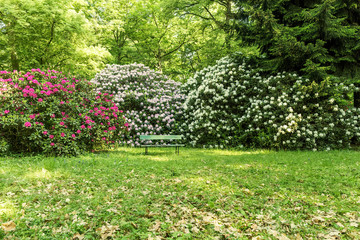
(179, 37)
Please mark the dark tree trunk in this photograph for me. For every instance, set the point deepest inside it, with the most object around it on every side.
(357, 97)
(14, 61)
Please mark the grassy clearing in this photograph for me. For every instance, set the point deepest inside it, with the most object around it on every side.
(200, 194)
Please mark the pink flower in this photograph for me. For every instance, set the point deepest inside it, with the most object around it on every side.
(51, 136)
(32, 116)
(62, 134)
(126, 124)
(61, 102)
(62, 123)
(6, 111)
(82, 126)
(52, 116)
(40, 100)
(27, 124)
(63, 113)
(44, 132)
(73, 135)
(89, 127)
(78, 131)
(104, 138)
(105, 131)
(52, 144)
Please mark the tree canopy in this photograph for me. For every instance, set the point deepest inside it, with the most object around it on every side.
(314, 38)
(47, 33)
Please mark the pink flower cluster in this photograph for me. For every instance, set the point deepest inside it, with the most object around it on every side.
(61, 109)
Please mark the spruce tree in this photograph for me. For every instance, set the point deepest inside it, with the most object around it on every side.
(316, 38)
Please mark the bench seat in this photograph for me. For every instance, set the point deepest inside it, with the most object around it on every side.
(158, 145)
(161, 137)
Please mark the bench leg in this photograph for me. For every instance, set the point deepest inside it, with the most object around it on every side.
(177, 150)
(146, 150)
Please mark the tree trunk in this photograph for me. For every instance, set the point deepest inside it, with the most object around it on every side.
(14, 60)
(357, 97)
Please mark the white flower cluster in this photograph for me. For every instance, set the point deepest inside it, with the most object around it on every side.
(231, 104)
(150, 100)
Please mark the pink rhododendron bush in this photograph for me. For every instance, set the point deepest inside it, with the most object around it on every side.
(49, 112)
(152, 103)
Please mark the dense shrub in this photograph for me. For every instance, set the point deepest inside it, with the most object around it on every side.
(52, 113)
(232, 104)
(150, 100)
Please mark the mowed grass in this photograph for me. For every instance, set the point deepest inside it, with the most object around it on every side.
(199, 194)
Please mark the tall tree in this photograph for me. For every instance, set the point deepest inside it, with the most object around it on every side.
(316, 38)
(164, 34)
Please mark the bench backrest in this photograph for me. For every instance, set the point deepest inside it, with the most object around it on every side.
(160, 137)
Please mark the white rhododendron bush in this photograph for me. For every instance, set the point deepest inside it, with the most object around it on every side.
(149, 99)
(232, 105)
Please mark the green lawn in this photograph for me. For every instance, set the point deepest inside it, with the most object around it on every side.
(200, 194)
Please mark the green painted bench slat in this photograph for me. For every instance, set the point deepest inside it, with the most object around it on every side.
(169, 145)
(160, 137)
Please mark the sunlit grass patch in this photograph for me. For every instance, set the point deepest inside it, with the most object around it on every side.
(220, 152)
(159, 159)
(39, 174)
(7, 207)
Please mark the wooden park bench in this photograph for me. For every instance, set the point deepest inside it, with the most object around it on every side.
(161, 137)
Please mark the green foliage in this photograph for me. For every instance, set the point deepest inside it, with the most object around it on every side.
(55, 114)
(162, 34)
(317, 39)
(4, 146)
(48, 34)
(234, 104)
